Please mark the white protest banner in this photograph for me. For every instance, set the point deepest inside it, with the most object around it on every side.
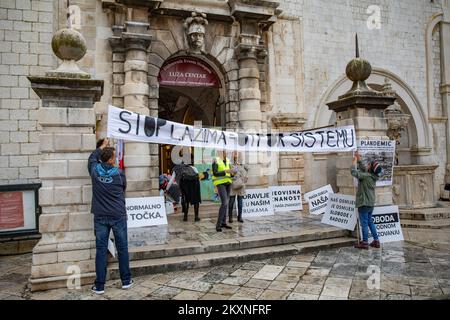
(127, 125)
(340, 211)
(382, 151)
(142, 212)
(387, 222)
(257, 203)
(318, 199)
(286, 198)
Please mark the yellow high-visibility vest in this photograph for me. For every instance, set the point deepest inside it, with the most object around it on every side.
(221, 166)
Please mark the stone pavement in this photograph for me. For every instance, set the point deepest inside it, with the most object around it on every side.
(408, 270)
(178, 231)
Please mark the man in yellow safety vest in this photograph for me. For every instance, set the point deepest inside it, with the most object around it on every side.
(221, 178)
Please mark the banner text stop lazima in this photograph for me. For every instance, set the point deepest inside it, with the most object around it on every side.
(131, 126)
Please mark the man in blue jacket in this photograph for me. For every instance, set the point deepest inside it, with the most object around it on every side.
(108, 205)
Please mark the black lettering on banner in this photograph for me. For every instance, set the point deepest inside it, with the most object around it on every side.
(270, 138)
(149, 126)
(186, 132)
(172, 130)
(295, 135)
(321, 135)
(242, 139)
(330, 139)
(160, 123)
(222, 136)
(339, 135)
(137, 123)
(311, 136)
(280, 140)
(124, 120)
(346, 139)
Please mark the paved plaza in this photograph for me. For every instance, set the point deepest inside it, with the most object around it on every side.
(417, 268)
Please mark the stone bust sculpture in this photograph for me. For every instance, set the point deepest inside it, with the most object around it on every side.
(195, 31)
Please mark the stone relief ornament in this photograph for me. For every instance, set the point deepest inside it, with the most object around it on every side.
(194, 27)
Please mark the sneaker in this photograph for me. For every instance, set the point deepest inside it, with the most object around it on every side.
(375, 244)
(185, 218)
(128, 286)
(97, 291)
(362, 245)
(197, 219)
(226, 226)
(218, 229)
(240, 220)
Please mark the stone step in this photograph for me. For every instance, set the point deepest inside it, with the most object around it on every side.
(201, 260)
(426, 224)
(425, 214)
(223, 245)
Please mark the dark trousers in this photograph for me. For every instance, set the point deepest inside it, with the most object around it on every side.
(185, 206)
(240, 200)
(224, 194)
(102, 228)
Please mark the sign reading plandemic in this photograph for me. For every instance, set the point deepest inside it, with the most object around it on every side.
(382, 151)
(286, 198)
(318, 199)
(127, 125)
(340, 211)
(387, 222)
(257, 203)
(143, 212)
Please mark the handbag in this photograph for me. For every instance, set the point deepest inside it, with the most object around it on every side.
(237, 183)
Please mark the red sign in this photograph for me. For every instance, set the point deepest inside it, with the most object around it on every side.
(11, 210)
(188, 72)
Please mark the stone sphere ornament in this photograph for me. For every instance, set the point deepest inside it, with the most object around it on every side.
(69, 44)
(358, 69)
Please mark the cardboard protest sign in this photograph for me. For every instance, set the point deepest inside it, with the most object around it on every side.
(142, 212)
(318, 199)
(382, 151)
(387, 223)
(257, 203)
(131, 126)
(286, 198)
(340, 211)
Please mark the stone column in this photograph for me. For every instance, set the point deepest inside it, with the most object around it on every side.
(139, 167)
(291, 164)
(67, 118)
(363, 108)
(445, 91)
(135, 92)
(251, 14)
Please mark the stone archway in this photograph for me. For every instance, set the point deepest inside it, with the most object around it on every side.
(419, 145)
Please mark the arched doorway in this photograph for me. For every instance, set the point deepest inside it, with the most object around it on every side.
(189, 91)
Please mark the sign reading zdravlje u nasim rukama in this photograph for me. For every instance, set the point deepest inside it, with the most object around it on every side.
(127, 125)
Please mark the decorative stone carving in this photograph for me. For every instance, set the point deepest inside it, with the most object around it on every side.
(195, 31)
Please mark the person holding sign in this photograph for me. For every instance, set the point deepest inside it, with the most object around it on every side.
(222, 180)
(365, 198)
(108, 205)
(237, 188)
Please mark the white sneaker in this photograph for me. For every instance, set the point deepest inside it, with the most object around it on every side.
(128, 286)
(97, 291)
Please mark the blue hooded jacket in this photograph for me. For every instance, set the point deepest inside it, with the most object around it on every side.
(108, 187)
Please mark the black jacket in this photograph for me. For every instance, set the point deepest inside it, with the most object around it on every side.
(108, 187)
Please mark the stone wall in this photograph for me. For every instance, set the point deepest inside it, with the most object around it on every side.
(26, 28)
(327, 30)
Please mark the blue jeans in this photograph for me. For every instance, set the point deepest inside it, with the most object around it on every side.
(365, 217)
(102, 228)
(231, 206)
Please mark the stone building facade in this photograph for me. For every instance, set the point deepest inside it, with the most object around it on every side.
(278, 64)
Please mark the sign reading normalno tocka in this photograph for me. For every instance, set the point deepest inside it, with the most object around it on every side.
(127, 125)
